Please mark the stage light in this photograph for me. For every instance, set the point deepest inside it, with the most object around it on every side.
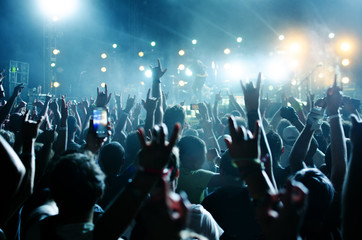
(153, 43)
(345, 80)
(281, 37)
(235, 71)
(321, 75)
(194, 41)
(294, 82)
(227, 66)
(277, 70)
(345, 62)
(294, 64)
(56, 84)
(181, 83)
(141, 54)
(227, 51)
(213, 65)
(103, 84)
(103, 56)
(103, 69)
(181, 52)
(148, 73)
(181, 67)
(55, 19)
(56, 51)
(141, 68)
(331, 35)
(295, 47)
(56, 9)
(142, 83)
(271, 88)
(52, 64)
(345, 46)
(188, 72)
(114, 45)
(239, 39)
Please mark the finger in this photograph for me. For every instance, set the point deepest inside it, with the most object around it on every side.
(106, 89)
(228, 142)
(148, 93)
(128, 97)
(159, 63)
(97, 91)
(335, 81)
(143, 103)
(258, 82)
(109, 97)
(142, 137)
(242, 132)
(232, 129)
(164, 70)
(249, 134)
(174, 136)
(162, 135)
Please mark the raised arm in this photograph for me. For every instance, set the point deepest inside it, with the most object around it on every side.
(352, 191)
(152, 159)
(338, 141)
(4, 111)
(301, 146)
(157, 74)
(252, 99)
(150, 105)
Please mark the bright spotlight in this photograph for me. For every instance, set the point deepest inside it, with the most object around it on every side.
(114, 45)
(239, 39)
(227, 51)
(142, 83)
(345, 80)
(141, 54)
(181, 52)
(148, 73)
(55, 19)
(103, 56)
(331, 35)
(345, 46)
(227, 66)
(295, 47)
(153, 43)
(52, 64)
(277, 70)
(56, 84)
(181, 67)
(56, 51)
(294, 64)
(294, 82)
(141, 68)
(103, 84)
(103, 69)
(181, 83)
(188, 72)
(270, 87)
(281, 37)
(321, 75)
(345, 62)
(58, 8)
(194, 41)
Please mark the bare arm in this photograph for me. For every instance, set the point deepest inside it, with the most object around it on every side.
(157, 74)
(4, 111)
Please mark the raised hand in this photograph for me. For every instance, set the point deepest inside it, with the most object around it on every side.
(150, 103)
(118, 98)
(289, 113)
(251, 94)
(137, 110)
(130, 103)
(93, 142)
(18, 89)
(243, 146)
(334, 98)
(157, 72)
(154, 155)
(63, 112)
(203, 111)
(218, 97)
(30, 128)
(102, 97)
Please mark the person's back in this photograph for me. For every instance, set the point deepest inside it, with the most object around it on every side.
(231, 205)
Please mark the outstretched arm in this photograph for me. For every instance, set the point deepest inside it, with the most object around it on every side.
(4, 111)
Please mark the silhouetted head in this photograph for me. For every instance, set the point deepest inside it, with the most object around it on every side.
(173, 115)
(111, 158)
(192, 152)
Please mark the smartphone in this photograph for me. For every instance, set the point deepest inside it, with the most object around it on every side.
(194, 106)
(100, 120)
